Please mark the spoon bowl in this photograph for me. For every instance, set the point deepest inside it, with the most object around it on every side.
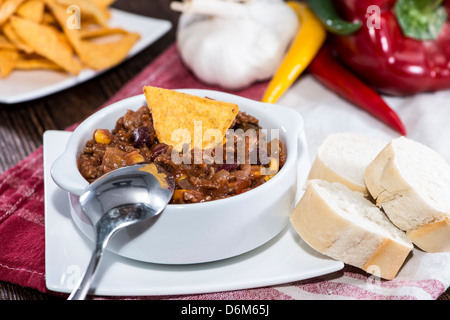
(119, 199)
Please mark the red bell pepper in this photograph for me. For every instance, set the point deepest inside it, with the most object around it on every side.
(333, 75)
(403, 48)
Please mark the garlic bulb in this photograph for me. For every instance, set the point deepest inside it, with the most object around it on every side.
(232, 43)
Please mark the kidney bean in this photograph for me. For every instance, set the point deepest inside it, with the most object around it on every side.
(142, 136)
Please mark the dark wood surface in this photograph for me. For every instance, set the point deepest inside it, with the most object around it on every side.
(22, 125)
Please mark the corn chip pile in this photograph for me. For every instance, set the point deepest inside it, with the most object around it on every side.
(60, 35)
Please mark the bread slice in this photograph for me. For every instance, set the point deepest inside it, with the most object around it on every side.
(343, 157)
(344, 225)
(411, 182)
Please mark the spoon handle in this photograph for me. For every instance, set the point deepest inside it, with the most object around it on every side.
(80, 292)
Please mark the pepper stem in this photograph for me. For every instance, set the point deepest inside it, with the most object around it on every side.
(432, 6)
(421, 19)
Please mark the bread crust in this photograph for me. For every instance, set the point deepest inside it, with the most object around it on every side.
(326, 231)
(426, 226)
(432, 237)
(387, 260)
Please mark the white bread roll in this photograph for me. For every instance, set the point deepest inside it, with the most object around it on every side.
(343, 157)
(344, 225)
(411, 182)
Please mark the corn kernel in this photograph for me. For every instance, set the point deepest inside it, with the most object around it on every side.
(137, 158)
(102, 136)
(181, 177)
(256, 171)
(178, 194)
(267, 178)
(274, 165)
(272, 170)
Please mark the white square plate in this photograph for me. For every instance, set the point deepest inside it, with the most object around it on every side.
(284, 259)
(21, 86)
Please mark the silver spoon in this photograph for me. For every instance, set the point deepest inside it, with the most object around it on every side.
(117, 200)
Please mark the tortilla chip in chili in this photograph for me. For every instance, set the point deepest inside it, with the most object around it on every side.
(174, 112)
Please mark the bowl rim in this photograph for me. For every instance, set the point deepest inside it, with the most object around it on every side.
(76, 136)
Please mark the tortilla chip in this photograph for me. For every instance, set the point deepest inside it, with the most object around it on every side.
(5, 44)
(26, 62)
(94, 54)
(88, 8)
(100, 56)
(38, 31)
(174, 112)
(60, 15)
(103, 3)
(49, 19)
(8, 59)
(32, 10)
(12, 36)
(89, 33)
(7, 9)
(47, 42)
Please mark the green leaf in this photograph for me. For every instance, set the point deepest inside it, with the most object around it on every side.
(421, 19)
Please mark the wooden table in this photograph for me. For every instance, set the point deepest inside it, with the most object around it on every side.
(22, 125)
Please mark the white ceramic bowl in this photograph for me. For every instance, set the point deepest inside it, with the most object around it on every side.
(203, 232)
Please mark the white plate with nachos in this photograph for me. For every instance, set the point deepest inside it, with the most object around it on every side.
(25, 85)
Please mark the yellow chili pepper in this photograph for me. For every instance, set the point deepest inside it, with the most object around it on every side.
(302, 51)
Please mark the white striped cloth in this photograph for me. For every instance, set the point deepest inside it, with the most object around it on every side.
(424, 277)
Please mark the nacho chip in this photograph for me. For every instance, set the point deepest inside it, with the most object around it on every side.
(8, 59)
(174, 112)
(94, 54)
(49, 19)
(88, 8)
(89, 33)
(12, 36)
(60, 15)
(103, 3)
(47, 42)
(8, 7)
(32, 10)
(38, 31)
(100, 56)
(30, 62)
(5, 44)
